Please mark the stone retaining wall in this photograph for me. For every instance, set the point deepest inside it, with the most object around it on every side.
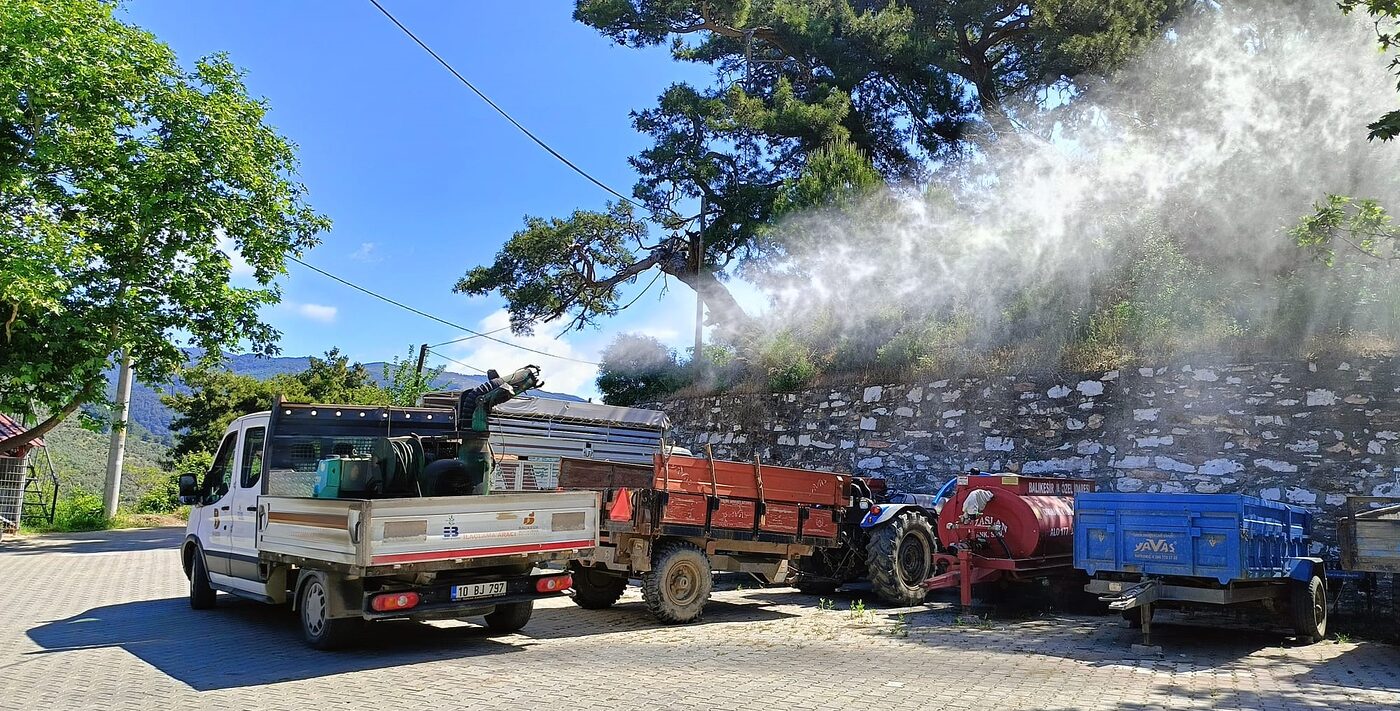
(1307, 433)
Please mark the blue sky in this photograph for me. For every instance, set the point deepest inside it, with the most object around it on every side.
(422, 179)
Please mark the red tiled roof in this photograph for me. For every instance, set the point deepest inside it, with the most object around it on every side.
(10, 428)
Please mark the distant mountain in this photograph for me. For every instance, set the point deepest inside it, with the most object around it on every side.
(148, 411)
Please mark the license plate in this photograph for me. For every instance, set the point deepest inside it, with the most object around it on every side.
(471, 590)
(1115, 587)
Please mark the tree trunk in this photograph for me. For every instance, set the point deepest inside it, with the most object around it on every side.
(725, 311)
(44, 427)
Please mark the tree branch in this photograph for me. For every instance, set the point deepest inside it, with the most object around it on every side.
(43, 428)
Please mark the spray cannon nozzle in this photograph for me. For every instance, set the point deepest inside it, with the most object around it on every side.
(476, 403)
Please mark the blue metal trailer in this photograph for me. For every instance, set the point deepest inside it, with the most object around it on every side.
(1184, 550)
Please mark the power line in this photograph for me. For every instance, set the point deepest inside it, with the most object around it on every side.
(500, 110)
(468, 338)
(458, 362)
(427, 315)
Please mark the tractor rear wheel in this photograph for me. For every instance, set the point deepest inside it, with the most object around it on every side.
(899, 557)
(678, 585)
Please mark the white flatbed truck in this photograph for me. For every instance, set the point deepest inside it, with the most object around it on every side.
(264, 526)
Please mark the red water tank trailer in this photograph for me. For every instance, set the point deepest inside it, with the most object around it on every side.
(996, 526)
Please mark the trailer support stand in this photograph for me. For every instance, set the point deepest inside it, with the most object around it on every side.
(1145, 612)
(965, 576)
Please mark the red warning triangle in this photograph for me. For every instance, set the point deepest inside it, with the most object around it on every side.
(621, 509)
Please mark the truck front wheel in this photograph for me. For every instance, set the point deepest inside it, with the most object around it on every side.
(900, 557)
(678, 585)
(510, 617)
(201, 593)
(320, 630)
(596, 588)
(1309, 603)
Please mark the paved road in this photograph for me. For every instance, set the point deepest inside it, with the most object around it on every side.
(100, 621)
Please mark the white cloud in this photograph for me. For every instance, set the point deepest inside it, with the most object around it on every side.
(563, 376)
(366, 253)
(238, 267)
(317, 312)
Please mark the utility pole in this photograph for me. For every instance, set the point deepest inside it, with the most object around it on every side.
(422, 358)
(116, 451)
(697, 356)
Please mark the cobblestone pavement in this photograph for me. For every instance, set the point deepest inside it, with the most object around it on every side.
(100, 621)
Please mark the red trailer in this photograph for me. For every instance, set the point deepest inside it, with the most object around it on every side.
(673, 523)
(1005, 527)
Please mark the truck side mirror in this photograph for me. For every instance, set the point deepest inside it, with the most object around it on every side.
(189, 490)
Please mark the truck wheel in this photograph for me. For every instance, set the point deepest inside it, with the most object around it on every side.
(678, 584)
(320, 630)
(899, 557)
(596, 588)
(201, 594)
(510, 616)
(1309, 603)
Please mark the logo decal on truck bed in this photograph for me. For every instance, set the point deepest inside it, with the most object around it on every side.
(1155, 545)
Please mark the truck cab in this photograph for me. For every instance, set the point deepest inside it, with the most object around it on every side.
(356, 514)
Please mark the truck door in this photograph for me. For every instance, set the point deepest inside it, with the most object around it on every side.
(214, 516)
(243, 518)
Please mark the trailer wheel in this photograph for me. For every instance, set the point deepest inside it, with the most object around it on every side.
(201, 593)
(816, 575)
(678, 585)
(900, 557)
(510, 617)
(320, 630)
(817, 586)
(1309, 603)
(596, 588)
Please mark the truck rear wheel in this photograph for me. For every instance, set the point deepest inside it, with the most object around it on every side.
(596, 588)
(510, 616)
(678, 585)
(320, 630)
(201, 593)
(1309, 603)
(899, 557)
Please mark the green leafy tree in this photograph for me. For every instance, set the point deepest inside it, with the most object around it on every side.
(810, 98)
(1387, 16)
(635, 369)
(335, 379)
(404, 384)
(127, 184)
(217, 397)
(1358, 227)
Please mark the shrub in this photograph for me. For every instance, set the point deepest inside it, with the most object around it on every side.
(162, 496)
(81, 510)
(788, 362)
(637, 369)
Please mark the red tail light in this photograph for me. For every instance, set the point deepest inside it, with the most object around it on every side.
(554, 583)
(389, 602)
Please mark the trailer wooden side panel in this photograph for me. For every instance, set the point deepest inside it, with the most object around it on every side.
(596, 475)
(1369, 534)
(749, 480)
